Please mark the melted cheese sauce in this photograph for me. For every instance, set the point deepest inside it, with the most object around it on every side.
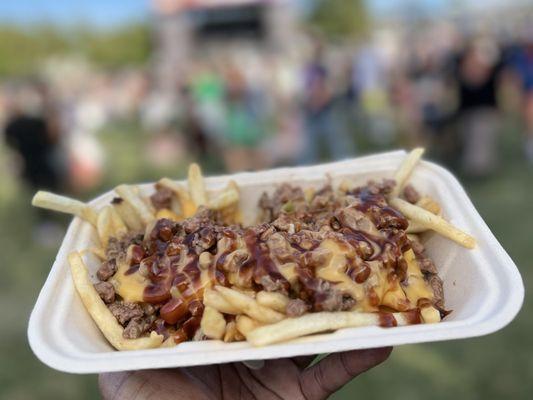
(387, 289)
(335, 271)
(416, 288)
(379, 289)
(129, 287)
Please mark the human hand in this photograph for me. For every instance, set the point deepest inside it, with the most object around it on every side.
(288, 378)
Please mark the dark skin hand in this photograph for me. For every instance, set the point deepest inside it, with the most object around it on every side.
(289, 378)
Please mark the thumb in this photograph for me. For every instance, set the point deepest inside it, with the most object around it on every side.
(334, 371)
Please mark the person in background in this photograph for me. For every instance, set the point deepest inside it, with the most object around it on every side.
(478, 73)
(370, 83)
(32, 132)
(244, 127)
(431, 75)
(321, 128)
(198, 141)
(521, 63)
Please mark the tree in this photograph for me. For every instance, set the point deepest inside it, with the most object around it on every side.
(23, 49)
(340, 18)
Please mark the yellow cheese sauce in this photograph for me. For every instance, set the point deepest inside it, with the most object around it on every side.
(416, 287)
(388, 289)
(130, 287)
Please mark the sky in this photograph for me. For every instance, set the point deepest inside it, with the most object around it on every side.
(113, 12)
(65, 12)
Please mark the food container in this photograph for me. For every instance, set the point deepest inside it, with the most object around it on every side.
(482, 286)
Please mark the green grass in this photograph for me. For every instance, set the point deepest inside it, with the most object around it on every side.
(492, 367)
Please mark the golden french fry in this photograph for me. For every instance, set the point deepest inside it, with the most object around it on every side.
(128, 214)
(345, 185)
(169, 342)
(187, 207)
(231, 332)
(147, 202)
(64, 204)
(226, 198)
(416, 227)
(97, 251)
(104, 226)
(178, 189)
(429, 204)
(213, 324)
(175, 206)
(239, 337)
(101, 315)
(214, 299)
(433, 222)
(430, 315)
(246, 324)
(307, 324)
(119, 227)
(249, 306)
(196, 185)
(273, 300)
(405, 170)
(128, 193)
(309, 193)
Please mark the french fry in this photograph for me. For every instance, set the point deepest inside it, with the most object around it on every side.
(169, 342)
(405, 170)
(229, 196)
(213, 324)
(429, 204)
(128, 214)
(129, 194)
(101, 315)
(307, 324)
(273, 300)
(104, 226)
(97, 251)
(119, 227)
(250, 306)
(64, 204)
(196, 185)
(246, 324)
(187, 207)
(416, 227)
(239, 337)
(430, 315)
(214, 299)
(231, 332)
(433, 222)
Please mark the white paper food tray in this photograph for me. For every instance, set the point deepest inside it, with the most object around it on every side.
(483, 286)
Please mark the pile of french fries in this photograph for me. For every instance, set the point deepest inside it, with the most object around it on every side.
(259, 317)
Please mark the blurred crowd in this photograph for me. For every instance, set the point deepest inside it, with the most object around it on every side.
(436, 87)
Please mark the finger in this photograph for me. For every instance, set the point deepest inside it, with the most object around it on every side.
(150, 384)
(109, 384)
(334, 371)
(303, 361)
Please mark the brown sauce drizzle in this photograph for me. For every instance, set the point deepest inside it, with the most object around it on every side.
(376, 207)
(259, 263)
(132, 269)
(163, 251)
(413, 317)
(359, 273)
(387, 320)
